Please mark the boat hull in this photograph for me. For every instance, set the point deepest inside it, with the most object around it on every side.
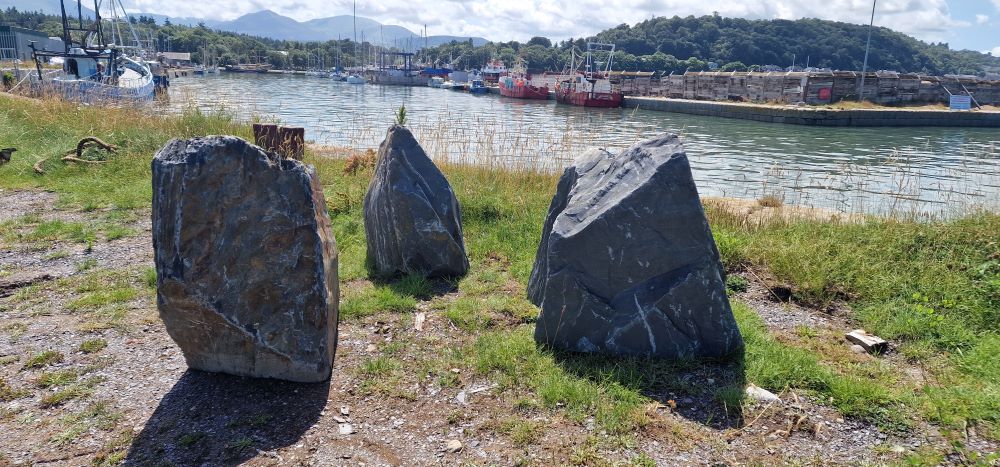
(524, 91)
(607, 100)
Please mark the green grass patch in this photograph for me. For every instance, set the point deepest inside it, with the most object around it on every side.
(44, 358)
(373, 300)
(78, 390)
(93, 345)
(56, 378)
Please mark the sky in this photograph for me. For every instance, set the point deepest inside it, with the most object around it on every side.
(963, 24)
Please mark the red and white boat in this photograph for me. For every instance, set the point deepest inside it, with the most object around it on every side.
(591, 87)
(519, 86)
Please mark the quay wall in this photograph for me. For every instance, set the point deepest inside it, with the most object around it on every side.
(819, 117)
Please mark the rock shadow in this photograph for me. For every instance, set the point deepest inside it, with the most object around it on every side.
(709, 392)
(219, 419)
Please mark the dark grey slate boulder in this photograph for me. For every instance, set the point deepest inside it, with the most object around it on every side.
(413, 223)
(627, 264)
(246, 261)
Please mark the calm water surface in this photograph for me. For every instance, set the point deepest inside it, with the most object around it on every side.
(940, 171)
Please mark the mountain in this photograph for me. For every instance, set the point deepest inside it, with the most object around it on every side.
(49, 7)
(266, 23)
(269, 24)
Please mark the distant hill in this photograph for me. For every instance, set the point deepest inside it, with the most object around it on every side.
(269, 24)
(828, 44)
(266, 23)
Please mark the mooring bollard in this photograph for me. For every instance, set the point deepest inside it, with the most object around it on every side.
(293, 141)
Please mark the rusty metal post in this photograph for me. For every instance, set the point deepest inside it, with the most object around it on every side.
(265, 135)
(292, 141)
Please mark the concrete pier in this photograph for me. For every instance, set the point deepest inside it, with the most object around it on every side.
(795, 115)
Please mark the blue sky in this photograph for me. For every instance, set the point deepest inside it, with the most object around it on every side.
(983, 32)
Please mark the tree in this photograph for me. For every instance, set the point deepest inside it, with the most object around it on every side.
(539, 40)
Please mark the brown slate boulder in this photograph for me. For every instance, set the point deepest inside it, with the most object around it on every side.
(246, 261)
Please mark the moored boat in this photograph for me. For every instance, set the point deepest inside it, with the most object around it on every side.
(519, 86)
(94, 70)
(591, 87)
(477, 86)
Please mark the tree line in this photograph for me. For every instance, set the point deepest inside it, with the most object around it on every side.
(663, 45)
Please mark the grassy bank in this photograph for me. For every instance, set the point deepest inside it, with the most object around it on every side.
(932, 289)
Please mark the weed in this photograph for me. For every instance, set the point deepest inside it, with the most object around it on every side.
(149, 277)
(9, 393)
(115, 451)
(189, 439)
(241, 444)
(86, 265)
(522, 432)
(8, 359)
(56, 378)
(58, 254)
(45, 358)
(771, 201)
(77, 390)
(736, 283)
(93, 345)
(15, 329)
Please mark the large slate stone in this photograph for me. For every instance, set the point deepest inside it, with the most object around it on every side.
(412, 219)
(246, 261)
(627, 264)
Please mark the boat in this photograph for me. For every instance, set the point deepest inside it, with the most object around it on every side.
(206, 67)
(493, 70)
(435, 82)
(591, 87)
(457, 81)
(94, 70)
(355, 77)
(477, 86)
(249, 68)
(518, 85)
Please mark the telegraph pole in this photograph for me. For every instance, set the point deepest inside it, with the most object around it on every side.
(864, 67)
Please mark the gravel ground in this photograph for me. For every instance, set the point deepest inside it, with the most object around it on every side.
(156, 411)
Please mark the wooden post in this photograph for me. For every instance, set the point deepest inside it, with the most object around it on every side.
(265, 135)
(292, 141)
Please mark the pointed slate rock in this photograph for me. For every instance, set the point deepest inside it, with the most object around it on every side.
(627, 264)
(413, 222)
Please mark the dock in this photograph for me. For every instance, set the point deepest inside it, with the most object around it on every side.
(806, 115)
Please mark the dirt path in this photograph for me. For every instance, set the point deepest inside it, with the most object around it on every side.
(135, 401)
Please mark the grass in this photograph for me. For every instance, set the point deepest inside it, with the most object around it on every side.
(93, 345)
(931, 288)
(43, 359)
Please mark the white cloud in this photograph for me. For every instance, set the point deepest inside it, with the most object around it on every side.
(996, 3)
(982, 19)
(995, 51)
(929, 20)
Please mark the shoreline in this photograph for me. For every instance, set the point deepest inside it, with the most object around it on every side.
(887, 117)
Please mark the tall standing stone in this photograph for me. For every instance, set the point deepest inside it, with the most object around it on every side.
(413, 222)
(246, 261)
(627, 264)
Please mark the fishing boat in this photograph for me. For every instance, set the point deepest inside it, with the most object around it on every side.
(493, 70)
(477, 86)
(518, 85)
(94, 69)
(591, 86)
(435, 82)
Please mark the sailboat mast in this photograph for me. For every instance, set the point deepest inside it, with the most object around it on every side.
(355, 33)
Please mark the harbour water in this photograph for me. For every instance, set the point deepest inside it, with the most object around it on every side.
(932, 171)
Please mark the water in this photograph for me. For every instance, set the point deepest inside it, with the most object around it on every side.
(935, 171)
